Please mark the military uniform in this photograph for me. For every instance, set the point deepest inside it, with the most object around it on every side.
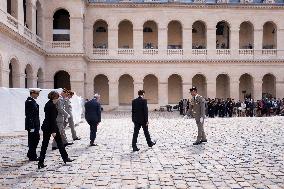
(32, 125)
(198, 112)
(61, 118)
(68, 109)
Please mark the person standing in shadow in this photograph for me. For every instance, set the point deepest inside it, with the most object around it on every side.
(49, 127)
(140, 118)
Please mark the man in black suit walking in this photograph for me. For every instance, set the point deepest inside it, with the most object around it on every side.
(32, 123)
(140, 118)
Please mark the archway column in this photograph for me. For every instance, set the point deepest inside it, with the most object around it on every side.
(258, 38)
(162, 40)
(163, 93)
(185, 88)
(137, 86)
(3, 5)
(280, 42)
(113, 41)
(257, 89)
(77, 82)
(5, 77)
(33, 9)
(234, 88)
(113, 94)
(20, 78)
(137, 40)
(211, 88)
(211, 41)
(234, 41)
(279, 89)
(187, 40)
(20, 11)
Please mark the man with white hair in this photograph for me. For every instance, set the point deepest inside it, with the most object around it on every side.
(93, 117)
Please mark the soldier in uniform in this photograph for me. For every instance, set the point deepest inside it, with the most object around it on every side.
(68, 109)
(197, 109)
(62, 117)
(32, 123)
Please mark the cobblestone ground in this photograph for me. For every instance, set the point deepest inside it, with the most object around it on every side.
(240, 153)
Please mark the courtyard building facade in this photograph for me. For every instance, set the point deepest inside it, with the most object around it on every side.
(115, 48)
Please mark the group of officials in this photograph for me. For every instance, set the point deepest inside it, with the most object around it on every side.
(58, 113)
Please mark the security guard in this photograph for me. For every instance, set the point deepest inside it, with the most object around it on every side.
(32, 123)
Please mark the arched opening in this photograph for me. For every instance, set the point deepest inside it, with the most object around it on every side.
(61, 25)
(150, 86)
(174, 35)
(12, 8)
(269, 36)
(101, 87)
(246, 87)
(39, 17)
(269, 86)
(223, 86)
(40, 80)
(222, 35)
(246, 40)
(174, 89)
(199, 81)
(100, 34)
(125, 89)
(29, 76)
(14, 74)
(62, 80)
(199, 36)
(125, 35)
(150, 35)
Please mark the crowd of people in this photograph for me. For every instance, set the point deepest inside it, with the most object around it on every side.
(231, 108)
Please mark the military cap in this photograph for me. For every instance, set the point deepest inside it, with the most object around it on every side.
(193, 88)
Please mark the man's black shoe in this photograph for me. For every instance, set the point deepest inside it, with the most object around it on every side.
(136, 149)
(68, 160)
(197, 143)
(92, 144)
(152, 144)
(68, 144)
(77, 139)
(54, 148)
(33, 159)
(203, 140)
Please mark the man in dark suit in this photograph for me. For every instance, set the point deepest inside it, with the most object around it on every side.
(32, 123)
(140, 118)
(93, 116)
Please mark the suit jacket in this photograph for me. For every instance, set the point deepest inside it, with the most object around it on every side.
(50, 123)
(93, 110)
(140, 111)
(62, 114)
(197, 107)
(32, 115)
(67, 106)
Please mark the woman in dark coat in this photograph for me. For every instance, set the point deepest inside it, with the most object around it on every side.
(49, 127)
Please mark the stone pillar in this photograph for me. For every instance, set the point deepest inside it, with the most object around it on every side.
(29, 15)
(76, 34)
(257, 89)
(138, 40)
(77, 82)
(89, 89)
(163, 93)
(234, 88)
(163, 41)
(235, 41)
(280, 43)
(138, 85)
(89, 43)
(187, 41)
(211, 41)
(33, 27)
(280, 89)
(258, 37)
(113, 94)
(5, 77)
(185, 87)
(20, 14)
(211, 88)
(19, 80)
(113, 41)
(3, 5)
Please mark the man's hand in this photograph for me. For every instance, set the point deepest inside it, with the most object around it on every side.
(201, 119)
(54, 135)
(32, 130)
